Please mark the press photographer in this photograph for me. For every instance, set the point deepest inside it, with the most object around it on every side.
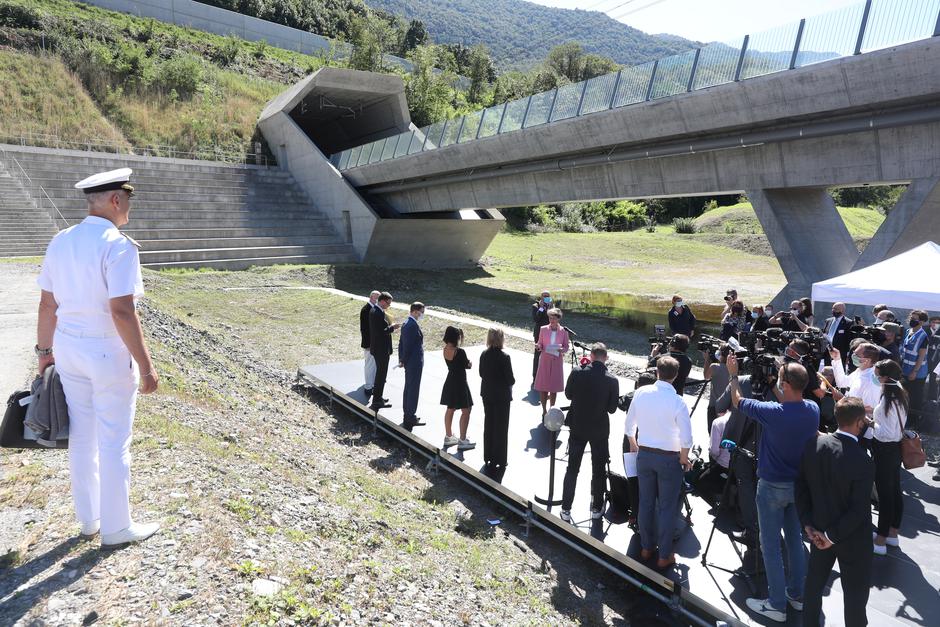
(677, 345)
(787, 427)
(860, 383)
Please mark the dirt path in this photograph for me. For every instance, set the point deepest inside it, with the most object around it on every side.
(19, 296)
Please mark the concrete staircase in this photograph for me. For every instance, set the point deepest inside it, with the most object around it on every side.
(198, 213)
(25, 230)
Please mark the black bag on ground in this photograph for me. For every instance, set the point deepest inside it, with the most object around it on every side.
(12, 429)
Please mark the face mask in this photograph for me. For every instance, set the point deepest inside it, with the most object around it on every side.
(935, 327)
(736, 312)
(856, 360)
(547, 299)
(419, 317)
(836, 314)
(680, 304)
(768, 312)
(795, 312)
(756, 313)
(875, 380)
(913, 323)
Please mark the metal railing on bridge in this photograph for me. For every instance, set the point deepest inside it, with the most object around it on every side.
(852, 30)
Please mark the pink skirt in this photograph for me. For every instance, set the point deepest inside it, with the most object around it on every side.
(551, 373)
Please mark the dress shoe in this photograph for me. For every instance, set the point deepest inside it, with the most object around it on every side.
(375, 407)
(90, 529)
(135, 533)
(367, 392)
(411, 422)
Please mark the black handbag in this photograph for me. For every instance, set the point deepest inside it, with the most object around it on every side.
(11, 429)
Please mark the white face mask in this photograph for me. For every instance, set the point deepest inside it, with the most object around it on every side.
(419, 317)
(769, 311)
(680, 305)
(795, 312)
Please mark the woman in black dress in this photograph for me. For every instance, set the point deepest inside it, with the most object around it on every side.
(496, 391)
(456, 393)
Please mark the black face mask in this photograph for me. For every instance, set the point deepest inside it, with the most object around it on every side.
(836, 314)
(913, 323)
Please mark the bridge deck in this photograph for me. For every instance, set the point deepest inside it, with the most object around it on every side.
(904, 590)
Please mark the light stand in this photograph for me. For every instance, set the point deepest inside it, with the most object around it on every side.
(553, 421)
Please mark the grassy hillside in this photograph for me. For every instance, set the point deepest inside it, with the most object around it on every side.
(519, 34)
(737, 226)
(27, 105)
(153, 83)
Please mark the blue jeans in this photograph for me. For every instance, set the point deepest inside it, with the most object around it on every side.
(776, 511)
(660, 479)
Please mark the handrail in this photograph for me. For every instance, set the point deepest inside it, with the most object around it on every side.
(29, 186)
(847, 31)
(99, 144)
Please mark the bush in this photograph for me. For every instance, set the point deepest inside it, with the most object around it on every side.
(16, 16)
(227, 53)
(543, 216)
(651, 224)
(684, 225)
(710, 205)
(181, 74)
(571, 219)
(626, 215)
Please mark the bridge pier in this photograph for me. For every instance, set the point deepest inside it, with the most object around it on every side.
(807, 235)
(909, 223)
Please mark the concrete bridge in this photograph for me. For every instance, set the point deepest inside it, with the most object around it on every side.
(774, 120)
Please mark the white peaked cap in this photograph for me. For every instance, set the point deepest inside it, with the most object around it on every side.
(105, 181)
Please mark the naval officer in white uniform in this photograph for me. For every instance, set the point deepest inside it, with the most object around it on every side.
(90, 283)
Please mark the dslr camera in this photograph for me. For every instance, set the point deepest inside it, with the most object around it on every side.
(659, 338)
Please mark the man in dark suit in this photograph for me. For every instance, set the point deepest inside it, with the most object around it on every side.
(539, 319)
(833, 499)
(411, 358)
(593, 393)
(837, 329)
(380, 344)
(368, 359)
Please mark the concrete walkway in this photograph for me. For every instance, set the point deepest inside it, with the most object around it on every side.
(18, 315)
(632, 361)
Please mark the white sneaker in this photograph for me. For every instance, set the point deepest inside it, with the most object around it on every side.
(90, 529)
(135, 533)
(450, 440)
(596, 513)
(892, 541)
(879, 549)
(765, 609)
(795, 604)
(565, 516)
(465, 445)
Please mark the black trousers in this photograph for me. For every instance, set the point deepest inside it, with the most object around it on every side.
(381, 373)
(887, 456)
(855, 564)
(535, 363)
(915, 390)
(745, 480)
(495, 431)
(600, 454)
(711, 415)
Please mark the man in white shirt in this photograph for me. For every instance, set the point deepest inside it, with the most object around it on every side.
(90, 283)
(662, 444)
(862, 382)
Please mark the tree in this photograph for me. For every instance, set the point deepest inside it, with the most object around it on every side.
(427, 91)
(416, 35)
(570, 61)
(370, 37)
(479, 71)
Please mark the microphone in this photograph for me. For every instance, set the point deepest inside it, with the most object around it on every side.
(570, 332)
(728, 444)
(580, 345)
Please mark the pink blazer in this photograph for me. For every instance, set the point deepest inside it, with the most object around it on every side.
(545, 338)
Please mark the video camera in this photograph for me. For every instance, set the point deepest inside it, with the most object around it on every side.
(660, 338)
(875, 335)
(765, 348)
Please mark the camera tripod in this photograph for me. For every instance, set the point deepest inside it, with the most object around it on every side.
(722, 518)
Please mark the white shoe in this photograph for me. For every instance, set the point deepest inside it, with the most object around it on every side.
(596, 513)
(135, 533)
(879, 549)
(450, 440)
(565, 516)
(892, 541)
(765, 609)
(465, 445)
(795, 604)
(90, 529)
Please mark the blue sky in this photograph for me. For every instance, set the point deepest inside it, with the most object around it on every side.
(705, 20)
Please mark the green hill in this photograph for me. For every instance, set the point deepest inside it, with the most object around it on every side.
(738, 227)
(519, 34)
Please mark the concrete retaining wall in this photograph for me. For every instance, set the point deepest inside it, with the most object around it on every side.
(222, 22)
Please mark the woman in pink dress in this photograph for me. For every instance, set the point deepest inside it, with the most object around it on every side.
(553, 344)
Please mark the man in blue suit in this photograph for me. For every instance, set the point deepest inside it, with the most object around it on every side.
(411, 358)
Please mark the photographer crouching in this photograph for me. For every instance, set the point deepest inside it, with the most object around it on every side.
(787, 426)
(677, 345)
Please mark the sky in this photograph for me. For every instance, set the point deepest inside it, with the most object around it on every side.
(704, 20)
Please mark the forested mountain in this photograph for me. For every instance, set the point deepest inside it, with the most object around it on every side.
(519, 34)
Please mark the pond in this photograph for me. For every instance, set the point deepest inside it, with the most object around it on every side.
(637, 313)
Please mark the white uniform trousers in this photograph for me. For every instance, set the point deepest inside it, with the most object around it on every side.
(369, 368)
(100, 381)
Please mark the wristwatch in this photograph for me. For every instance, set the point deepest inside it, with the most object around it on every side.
(42, 352)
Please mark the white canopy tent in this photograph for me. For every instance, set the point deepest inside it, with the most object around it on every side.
(910, 280)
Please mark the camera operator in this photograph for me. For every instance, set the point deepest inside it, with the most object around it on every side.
(734, 322)
(677, 346)
(891, 345)
(798, 351)
(861, 382)
(730, 296)
(716, 373)
(788, 426)
(877, 309)
(792, 320)
(759, 317)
